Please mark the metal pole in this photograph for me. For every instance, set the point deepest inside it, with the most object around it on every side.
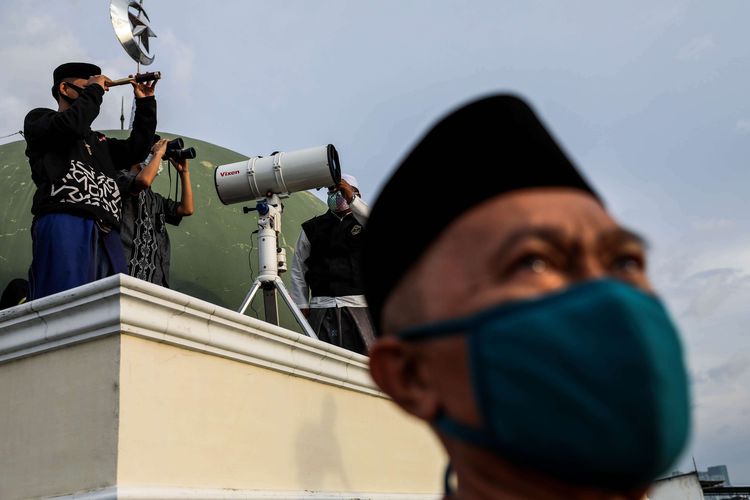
(301, 320)
(270, 307)
(249, 296)
(269, 223)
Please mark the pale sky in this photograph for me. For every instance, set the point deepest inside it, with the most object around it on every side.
(649, 98)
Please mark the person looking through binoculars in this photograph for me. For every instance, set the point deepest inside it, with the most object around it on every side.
(145, 213)
(326, 272)
(77, 202)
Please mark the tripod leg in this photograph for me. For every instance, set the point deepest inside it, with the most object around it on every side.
(269, 303)
(295, 310)
(249, 296)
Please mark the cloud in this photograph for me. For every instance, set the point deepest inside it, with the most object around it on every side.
(713, 287)
(181, 58)
(696, 48)
(30, 63)
(32, 43)
(721, 411)
(663, 16)
(726, 373)
(715, 224)
(743, 125)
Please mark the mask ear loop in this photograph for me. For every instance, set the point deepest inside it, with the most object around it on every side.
(74, 87)
(67, 99)
(447, 488)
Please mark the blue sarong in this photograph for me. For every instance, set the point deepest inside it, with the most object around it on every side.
(69, 251)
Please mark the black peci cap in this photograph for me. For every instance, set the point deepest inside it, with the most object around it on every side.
(497, 144)
(72, 70)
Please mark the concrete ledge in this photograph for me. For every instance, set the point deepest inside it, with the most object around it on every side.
(141, 493)
(122, 389)
(123, 304)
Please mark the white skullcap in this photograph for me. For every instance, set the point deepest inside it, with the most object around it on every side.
(351, 180)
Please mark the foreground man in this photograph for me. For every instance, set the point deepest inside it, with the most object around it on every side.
(518, 320)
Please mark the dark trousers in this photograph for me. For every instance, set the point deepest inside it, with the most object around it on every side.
(69, 251)
(347, 327)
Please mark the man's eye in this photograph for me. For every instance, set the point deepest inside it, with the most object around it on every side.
(534, 263)
(629, 264)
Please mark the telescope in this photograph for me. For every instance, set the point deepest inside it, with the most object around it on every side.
(281, 174)
(266, 180)
(145, 77)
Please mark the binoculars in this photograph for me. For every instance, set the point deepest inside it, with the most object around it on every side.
(177, 151)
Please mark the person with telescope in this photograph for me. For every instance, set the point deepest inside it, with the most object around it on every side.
(77, 204)
(518, 321)
(145, 213)
(326, 273)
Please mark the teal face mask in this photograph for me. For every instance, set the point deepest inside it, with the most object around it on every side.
(587, 385)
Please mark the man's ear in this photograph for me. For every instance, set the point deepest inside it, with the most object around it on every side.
(61, 86)
(399, 370)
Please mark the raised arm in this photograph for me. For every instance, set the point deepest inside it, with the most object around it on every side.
(58, 127)
(146, 176)
(359, 208)
(127, 152)
(185, 207)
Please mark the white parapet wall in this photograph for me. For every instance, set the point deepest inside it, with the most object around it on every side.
(680, 487)
(121, 389)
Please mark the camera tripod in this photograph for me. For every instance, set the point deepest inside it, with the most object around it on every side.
(272, 262)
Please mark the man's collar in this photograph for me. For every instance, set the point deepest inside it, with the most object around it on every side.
(339, 217)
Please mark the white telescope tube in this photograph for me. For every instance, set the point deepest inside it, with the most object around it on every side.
(280, 173)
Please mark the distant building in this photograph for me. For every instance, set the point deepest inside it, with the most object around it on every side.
(714, 482)
(716, 473)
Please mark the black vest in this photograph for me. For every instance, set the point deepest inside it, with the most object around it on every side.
(334, 265)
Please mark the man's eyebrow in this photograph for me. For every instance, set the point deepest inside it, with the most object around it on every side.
(621, 235)
(551, 235)
(560, 239)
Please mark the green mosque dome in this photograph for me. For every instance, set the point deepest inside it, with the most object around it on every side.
(214, 252)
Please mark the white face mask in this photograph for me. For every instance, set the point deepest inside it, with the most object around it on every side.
(337, 202)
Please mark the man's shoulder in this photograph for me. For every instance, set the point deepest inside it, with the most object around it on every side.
(160, 203)
(124, 174)
(317, 218)
(156, 196)
(37, 113)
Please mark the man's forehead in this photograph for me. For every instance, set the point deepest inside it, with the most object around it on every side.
(569, 210)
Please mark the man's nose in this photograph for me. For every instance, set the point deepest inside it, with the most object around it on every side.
(588, 267)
